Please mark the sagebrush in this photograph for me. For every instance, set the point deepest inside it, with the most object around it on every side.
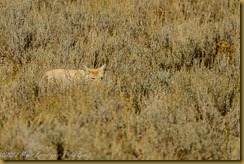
(171, 89)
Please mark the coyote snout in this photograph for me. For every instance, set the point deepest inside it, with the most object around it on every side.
(64, 77)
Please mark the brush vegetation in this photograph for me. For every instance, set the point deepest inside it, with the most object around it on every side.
(171, 89)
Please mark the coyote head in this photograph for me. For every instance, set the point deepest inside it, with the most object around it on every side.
(95, 75)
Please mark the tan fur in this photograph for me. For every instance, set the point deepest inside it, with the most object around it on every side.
(65, 77)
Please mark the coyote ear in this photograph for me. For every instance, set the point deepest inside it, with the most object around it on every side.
(102, 68)
(86, 68)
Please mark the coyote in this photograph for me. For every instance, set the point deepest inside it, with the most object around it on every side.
(65, 77)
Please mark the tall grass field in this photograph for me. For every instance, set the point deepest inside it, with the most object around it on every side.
(171, 86)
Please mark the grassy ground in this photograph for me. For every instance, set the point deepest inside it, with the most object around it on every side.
(171, 90)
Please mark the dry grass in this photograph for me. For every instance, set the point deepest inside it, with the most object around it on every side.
(171, 89)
